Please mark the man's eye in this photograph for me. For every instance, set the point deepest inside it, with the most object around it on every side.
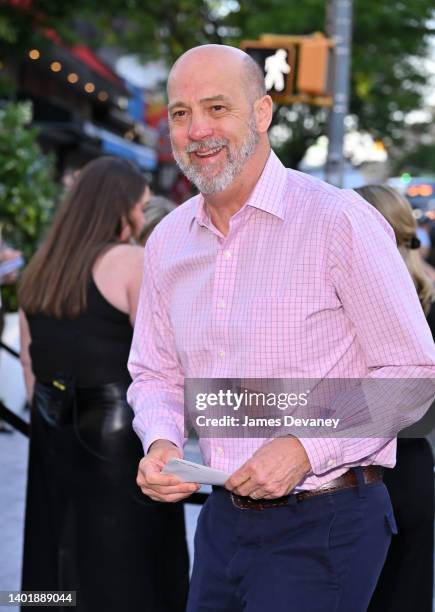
(178, 114)
(218, 107)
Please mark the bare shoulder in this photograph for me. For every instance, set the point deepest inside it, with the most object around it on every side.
(124, 258)
(125, 251)
(130, 255)
(118, 274)
(121, 265)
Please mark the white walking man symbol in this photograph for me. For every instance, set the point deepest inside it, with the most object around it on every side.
(276, 67)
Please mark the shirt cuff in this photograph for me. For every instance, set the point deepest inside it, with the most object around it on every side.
(324, 454)
(160, 430)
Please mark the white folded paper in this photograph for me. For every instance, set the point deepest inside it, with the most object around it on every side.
(187, 471)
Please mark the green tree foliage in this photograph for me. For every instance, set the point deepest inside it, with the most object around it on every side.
(419, 161)
(419, 156)
(22, 23)
(389, 41)
(27, 189)
(387, 75)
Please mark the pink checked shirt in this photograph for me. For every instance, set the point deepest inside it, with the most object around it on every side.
(308, 283)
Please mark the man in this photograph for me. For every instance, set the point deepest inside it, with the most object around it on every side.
(269, 274)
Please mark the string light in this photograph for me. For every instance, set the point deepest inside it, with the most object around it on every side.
(56, 66)
(72, 77)
(122, 102)
(103, 96)
(89, 87)
(34, 54)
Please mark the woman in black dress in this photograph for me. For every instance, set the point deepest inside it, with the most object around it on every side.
(406, 581)
(88, 528)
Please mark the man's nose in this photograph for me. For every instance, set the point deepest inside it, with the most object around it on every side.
(200, 127)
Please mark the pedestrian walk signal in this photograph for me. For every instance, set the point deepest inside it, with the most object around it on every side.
(296, 68)
(278, 64)
(276, 67)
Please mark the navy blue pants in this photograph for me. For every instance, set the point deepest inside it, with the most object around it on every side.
(322, 554)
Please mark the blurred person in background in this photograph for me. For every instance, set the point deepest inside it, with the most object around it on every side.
(68, 177)
(157, 208)
(424, 226)
(423, 235)
(406, 581)
(430, 258)
(88, 527)
(7, 255)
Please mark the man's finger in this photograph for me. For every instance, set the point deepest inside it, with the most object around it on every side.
(238, 478)
(152, 472)
(174, 498)
(179, 487)
(154, 477)
(167, 497)
(184, 487)
(245, 489)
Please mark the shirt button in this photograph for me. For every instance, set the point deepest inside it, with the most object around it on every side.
(227, 254)
(219, 450)
(221, 353)
(331, 463)
(221, 304)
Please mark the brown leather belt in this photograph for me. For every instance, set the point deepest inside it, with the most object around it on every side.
(371, 473)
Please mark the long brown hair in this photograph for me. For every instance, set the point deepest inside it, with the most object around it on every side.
(89, 219)
(398, 212)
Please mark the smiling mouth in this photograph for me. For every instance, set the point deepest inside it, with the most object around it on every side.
(208, 152)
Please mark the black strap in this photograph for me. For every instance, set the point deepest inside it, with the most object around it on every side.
(14, 420)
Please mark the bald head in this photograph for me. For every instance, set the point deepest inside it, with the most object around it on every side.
(226, 58)
(218, 117)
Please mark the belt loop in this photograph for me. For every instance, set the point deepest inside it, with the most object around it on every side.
(360, 480)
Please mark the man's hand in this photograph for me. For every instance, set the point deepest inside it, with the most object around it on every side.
(158, 486)
(273, 470)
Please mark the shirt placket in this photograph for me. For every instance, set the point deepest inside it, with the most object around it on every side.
(224, 286)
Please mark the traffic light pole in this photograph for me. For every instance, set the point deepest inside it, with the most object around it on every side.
(339, 27)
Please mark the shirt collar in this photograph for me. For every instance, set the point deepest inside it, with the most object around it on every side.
(267, 195)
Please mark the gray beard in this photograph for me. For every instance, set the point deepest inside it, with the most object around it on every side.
(233, 167)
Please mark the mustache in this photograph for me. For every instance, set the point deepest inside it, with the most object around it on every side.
(204, 145)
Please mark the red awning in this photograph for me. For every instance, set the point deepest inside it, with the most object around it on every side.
(88, 57)
(24, 4)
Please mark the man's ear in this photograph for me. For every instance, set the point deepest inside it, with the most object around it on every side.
(263, 109)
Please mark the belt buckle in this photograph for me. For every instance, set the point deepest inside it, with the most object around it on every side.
(245, 504)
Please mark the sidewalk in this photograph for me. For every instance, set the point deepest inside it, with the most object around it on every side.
(13, 468)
